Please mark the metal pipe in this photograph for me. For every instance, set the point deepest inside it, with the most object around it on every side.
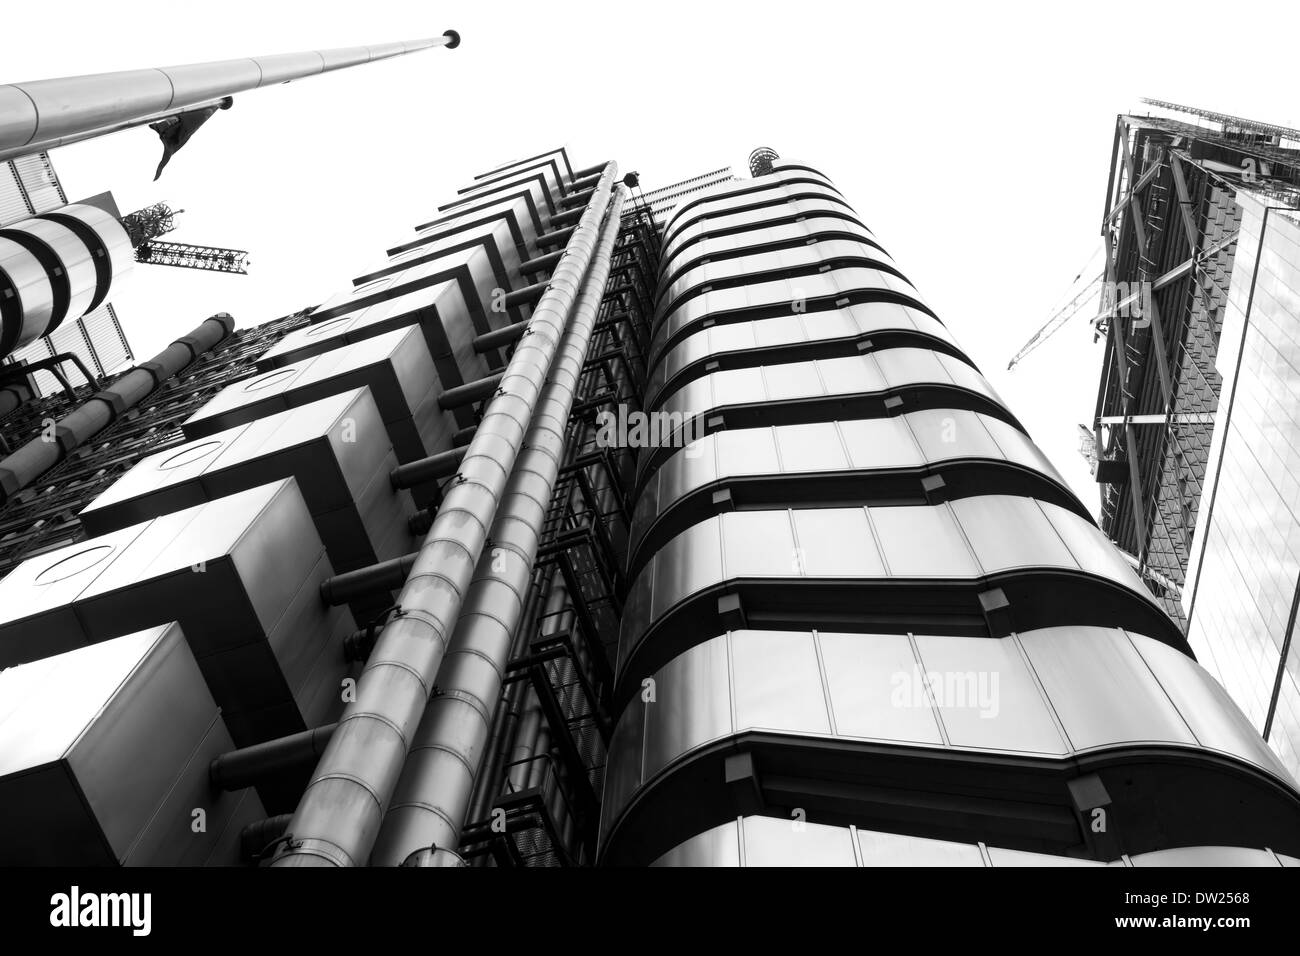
(540, 263)
(575, 199)
(441, 465)
(247, 766)
(39, 115)
(470, 392)
(257, 837)
(33, 459)
(12, 396)
(580, 185)
(554, 238)
(588, 173)
(432, 796)
(525, 296)
(343, 588)
(562, 220)
(499, 337)
(338, 818)
(489, 778)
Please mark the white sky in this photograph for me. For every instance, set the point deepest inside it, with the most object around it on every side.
(972, 138)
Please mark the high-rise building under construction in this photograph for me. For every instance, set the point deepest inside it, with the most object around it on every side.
(1195, 432)
(560, 536)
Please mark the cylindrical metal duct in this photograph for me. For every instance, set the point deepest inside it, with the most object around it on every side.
(499, 337)
(338, 818)
(39, 455)
(433, 794)
(40, 115)
(435, 467)
(470, 392)
(238, 769)
(348, 586)
(12, 396)
(56, 267)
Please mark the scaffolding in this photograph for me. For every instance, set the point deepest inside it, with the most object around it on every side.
(1169, 228)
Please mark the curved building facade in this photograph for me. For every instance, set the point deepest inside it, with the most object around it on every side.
(867, 623)
(559, 536)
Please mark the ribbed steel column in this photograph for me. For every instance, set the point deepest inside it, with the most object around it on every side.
(428, 808)
(339, 816)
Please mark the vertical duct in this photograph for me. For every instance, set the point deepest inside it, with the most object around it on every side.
(429, 804)
(338, 818)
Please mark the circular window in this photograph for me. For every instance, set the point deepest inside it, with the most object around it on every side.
(188, 456)
(330, 326)
(74, 564)
(272, 378)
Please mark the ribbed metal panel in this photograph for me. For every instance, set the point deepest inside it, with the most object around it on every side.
(40, 182)
(111, 350)
(97, 339)
(13, 204)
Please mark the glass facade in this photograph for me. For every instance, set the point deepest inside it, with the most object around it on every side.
(1245, 574)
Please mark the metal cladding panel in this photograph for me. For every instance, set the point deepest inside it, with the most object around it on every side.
(482, 279)
(38, 616)
(762, 261)
(33, 307)
(1049, 693)
(241, 574)
(40, 182)
(17, 115)
(73, 256)
(496, 231)
(544, 197)
(70, 104)
(13, 204)
(283, 67)
(196, 82)
(440, 311)
(337, 449)
(505, 210)
(344, 56)
(396, 366)
(364, 322)
(112, 234)
(104, 755)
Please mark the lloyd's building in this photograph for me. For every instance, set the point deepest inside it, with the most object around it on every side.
(378, 584)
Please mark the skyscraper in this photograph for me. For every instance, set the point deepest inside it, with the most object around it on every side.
(1244, 574)
(1194, 424)
(1171, 227)
(558, 537)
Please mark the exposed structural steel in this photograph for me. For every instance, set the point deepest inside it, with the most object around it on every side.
(27, 463)
(338, 818)
(432, 797)
(736, 534)
(41, 114)
(146, 226)
(1170, 229)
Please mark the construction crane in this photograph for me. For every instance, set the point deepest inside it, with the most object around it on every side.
(1064, 314)
(1109, 303)
(144, 226)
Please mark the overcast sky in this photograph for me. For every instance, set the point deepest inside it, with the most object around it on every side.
(972, 138)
